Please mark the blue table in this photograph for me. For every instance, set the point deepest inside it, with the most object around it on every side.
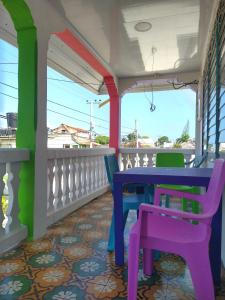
(179, 176)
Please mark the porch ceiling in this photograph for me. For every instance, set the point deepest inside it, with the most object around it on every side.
(177, 38)
(178, 32)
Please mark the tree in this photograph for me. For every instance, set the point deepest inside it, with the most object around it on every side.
(183, 139)
(130, 140)
(161, 140)
(132, 136)
(102, 140)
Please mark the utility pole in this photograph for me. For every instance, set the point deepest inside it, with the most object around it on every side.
(91, 129)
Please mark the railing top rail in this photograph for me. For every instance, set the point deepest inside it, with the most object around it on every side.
(70, 153)
(155, 150)
(14, 155)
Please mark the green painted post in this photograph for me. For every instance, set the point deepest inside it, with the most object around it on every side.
(27, 105)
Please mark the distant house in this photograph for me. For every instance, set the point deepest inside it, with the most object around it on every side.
(65, 136)
(145, 143)
(7, 138)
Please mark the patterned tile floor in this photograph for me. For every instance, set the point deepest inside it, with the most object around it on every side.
(71, 262)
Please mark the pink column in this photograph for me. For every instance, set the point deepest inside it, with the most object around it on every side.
(77, 46)
(114, 132)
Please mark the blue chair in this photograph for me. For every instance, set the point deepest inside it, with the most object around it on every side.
(130, 201)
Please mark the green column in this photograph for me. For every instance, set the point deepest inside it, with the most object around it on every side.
(27, 105)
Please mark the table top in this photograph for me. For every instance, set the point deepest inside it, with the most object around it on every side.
(179, 176)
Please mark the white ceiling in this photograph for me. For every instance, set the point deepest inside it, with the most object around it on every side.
(179, 28)
(178, 35)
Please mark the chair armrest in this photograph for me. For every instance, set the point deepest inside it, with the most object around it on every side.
(203, 218)
(162, 191)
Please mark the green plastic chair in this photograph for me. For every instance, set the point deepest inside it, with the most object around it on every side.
(170, 160)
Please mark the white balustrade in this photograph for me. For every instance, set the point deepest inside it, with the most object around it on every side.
(75, 176)
(11, 231)
(142, 157)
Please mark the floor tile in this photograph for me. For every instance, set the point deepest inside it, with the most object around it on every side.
(71, 262)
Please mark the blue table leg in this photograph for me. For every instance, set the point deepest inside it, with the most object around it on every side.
(118, 223)
(215, 246)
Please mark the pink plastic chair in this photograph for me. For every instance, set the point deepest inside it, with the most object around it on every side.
(173, 231)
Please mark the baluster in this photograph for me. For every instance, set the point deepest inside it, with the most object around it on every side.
(100, 171)
(150, 160)
(66, 189)
(82, 175)
(2, 185)
(12, 213)
(137, 160)
(87, 176)
(120, 162)
(92, 173)
(56, 184)
(60, 191)
(71, 180)
(79, 177)
(75, 181)
(132, 160)
(126, 161)
(103, 182)
(141, 159)
(50, 205)
(145, 160)
(96, 172)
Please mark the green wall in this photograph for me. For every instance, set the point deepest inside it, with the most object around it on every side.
(27, 105)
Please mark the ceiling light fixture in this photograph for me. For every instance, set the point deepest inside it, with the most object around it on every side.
(143, 26)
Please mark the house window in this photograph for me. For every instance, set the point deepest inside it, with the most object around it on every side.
(66, 145)
(214, 89)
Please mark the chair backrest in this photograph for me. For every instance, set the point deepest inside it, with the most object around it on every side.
(215, 188)
(169, 159)
(112, 166)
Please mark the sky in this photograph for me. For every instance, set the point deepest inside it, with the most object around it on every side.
(173, 108)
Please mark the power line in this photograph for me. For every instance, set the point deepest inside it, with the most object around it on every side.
(75, 118)
(75, 110)
(8, 63)
(4, 71)
(60, 104)
(9, 96)
(61, 80)
(58, 112)
(13, 87)
(57, 104)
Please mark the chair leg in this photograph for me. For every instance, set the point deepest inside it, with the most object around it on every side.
(111, 240)
(133, 254)
(200, 269)
(147, 262)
